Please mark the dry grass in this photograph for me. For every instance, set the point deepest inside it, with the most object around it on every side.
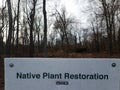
(82, 55)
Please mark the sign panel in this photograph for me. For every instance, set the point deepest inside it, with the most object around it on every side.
(62, 74)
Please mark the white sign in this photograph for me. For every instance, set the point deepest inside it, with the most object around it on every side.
(62, 74)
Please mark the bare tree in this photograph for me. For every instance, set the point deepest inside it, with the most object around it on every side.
(31, 24)
(18, 16)
(37, 33)
(107, 11)
(45, 28)
(8, 42)
(95, 26)
(62, 24)
(2, 19)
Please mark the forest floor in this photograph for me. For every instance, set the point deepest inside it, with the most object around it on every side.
(60, 55)
(1, 75)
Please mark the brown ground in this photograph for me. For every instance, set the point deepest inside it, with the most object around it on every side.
(60, 54)
(1, 75)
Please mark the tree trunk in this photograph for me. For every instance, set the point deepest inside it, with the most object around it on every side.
(108, 25)
(31, 41)
(119, 39)
(8, 42)
(32, 15)
(1, 31)
(18, 14)
(45, 28)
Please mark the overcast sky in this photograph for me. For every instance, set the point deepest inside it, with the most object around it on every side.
(75, 7)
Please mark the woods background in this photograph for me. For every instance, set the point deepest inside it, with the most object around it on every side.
(37, 28)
